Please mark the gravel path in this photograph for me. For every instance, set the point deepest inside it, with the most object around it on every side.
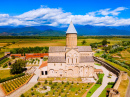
(128, 89)
(105, 81)
(1, 93)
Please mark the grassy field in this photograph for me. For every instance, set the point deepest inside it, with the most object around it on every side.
(5, 73)
(93, 89)
(123, 87)
(70, 90)
(103, 94)
(118, 66)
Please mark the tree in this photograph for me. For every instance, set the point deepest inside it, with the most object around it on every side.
(83, 42)
(104, 42)
(13, 57)
(18, 67)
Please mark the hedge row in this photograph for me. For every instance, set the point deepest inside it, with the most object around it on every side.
(4, 60)
(12, 77)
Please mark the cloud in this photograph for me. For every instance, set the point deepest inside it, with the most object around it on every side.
(111, 12)
(58, 17)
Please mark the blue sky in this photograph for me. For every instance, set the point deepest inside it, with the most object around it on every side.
(61, 12)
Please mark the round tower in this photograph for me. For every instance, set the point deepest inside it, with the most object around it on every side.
(71, 36)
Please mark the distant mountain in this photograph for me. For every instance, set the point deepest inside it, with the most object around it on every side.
(56, 31)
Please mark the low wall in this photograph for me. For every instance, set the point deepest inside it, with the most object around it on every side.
(121, 76)
(108, 66)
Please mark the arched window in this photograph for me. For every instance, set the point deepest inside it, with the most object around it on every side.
(76, 60)
(72, 60)
(68, 60)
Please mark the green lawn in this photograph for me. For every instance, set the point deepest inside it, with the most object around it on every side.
(93, 89)
(60, 88)
(103, 94)
(98, 64)
(98, 54)
(5, 73)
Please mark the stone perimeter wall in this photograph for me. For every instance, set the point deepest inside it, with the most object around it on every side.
(121, 76)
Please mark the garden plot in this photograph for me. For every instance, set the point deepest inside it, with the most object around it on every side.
(61, 89)
(11, 85)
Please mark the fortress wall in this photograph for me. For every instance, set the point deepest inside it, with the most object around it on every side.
(121, 76)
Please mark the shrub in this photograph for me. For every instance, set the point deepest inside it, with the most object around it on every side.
(55, 84)
(72, 82)
(50, 82)
(111, 83)
(52, 87)
(35, 86)
(46, 93)
(67, 83)
(45, 82)
(22, 95)
(62, 82)
(32, 89)
(39, 83)
(32, 93)
(62, 91)
(5, 65)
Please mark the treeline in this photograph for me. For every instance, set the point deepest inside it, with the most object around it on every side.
(29, 50)
(109, 58)
(59, 37)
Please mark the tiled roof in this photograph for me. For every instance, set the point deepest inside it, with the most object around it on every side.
(44, 63)
(98, 70)
(84, 59)
(53, 49)
(36, 55)
(56, 59)
(84, 48)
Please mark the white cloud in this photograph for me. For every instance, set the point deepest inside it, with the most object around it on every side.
(110, 12)
(56, 17)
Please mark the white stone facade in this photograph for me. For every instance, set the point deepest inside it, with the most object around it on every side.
(70, 60)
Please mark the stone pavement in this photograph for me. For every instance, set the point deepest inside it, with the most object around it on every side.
(1, 93)
(105, 80)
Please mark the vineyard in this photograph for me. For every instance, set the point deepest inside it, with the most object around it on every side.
(12, 85)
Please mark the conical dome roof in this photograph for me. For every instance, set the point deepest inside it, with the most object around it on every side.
(71, 29)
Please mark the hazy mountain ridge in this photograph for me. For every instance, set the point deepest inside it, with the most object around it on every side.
(55, 31)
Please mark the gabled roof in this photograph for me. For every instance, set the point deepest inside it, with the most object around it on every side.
(84, 59)
(56, 59)
(54, 49)
(71, 29)
(44, 63)
(84, 48)
(72, 49)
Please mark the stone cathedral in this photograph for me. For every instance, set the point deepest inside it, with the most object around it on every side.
(70, 60)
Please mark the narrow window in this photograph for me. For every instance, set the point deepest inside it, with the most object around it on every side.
(68, 60)
(76, 60)
(45, 72)
(72, 60)
(61, 64)
(42, 72)
(54, 64)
